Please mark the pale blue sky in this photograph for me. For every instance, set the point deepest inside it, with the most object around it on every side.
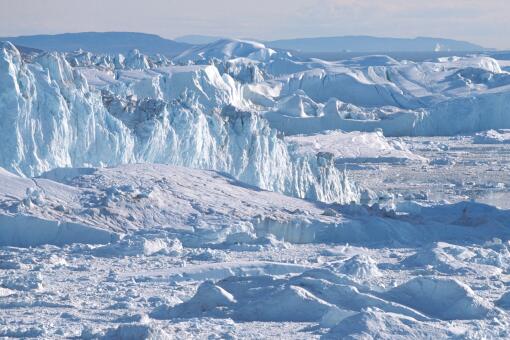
(485, 22)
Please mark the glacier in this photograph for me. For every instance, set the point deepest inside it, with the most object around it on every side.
(240, 191)
(110, 110)
(189, 115)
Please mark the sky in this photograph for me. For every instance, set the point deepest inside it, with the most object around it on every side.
(485, 22)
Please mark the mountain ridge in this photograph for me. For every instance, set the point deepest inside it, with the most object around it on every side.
(122, 42)
(365, 43)
(101, 42)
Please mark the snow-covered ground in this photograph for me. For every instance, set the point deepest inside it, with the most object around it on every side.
(155, 248)
(237, 191)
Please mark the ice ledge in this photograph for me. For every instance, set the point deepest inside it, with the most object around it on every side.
(28, 231)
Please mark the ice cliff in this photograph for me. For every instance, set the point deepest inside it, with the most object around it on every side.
(227, 106)
(191, 116)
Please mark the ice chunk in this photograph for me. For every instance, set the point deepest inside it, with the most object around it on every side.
(334, 316)
(361, 267)
(443, 298)
(129, 332)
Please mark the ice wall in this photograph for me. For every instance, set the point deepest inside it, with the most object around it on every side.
(52, 118)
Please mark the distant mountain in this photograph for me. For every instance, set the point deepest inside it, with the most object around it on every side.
(27, 50)
(372, 44)
(195, 39)
(122, 42)
(101, 42)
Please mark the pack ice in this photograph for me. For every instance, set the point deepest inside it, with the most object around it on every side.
(238, 191)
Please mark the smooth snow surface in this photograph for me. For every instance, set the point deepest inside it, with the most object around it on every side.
(237, 191)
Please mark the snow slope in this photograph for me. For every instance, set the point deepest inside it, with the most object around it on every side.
(202, 207)
(194, 253)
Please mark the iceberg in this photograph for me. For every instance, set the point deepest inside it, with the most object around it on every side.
(178, 115)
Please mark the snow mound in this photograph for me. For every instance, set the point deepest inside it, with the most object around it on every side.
(377, 324)
(98, 206)
(129, 332)
(207, 298)
(22, 332)
(313, 296)
(371, 60)
(239, 299)
(297, 105)
(360, 267)
(449, 258)
(442, 257)
(492, 137)
(355, 147)
(135, 245)
(226, 49)
(334, 316)
(504, 301)
(443, 298)
(33, 281)
(6, 292)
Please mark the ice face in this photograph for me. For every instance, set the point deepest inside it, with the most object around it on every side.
(110, 110)
(180, 115)
(401, 98)
(51, 118)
